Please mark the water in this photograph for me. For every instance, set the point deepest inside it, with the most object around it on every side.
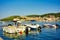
(44, 34)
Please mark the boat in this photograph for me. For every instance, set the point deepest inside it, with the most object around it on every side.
(33, 20)
(9, 29)
(13, 29)
(16, 28)
(49, 26)
(33, 26)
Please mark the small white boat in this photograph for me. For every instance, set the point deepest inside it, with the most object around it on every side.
(33, 26)
(49, 26)
(13, 29)
(9, 29)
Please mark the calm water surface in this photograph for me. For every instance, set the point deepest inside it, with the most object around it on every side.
(45, 34)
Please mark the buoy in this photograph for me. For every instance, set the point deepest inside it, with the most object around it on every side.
(20, 32)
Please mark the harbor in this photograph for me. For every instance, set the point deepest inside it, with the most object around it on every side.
(29, 19)
(18, 27)
(33, 34)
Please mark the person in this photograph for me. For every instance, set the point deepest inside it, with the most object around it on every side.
(18, 23)
(15, 20)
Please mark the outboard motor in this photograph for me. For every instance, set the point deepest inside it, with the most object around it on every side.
(26, 30)
(58, 25)
(39, 28)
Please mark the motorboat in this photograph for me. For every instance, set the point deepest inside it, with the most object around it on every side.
(9, 29)
(13, 29)
(33, 20)
(16, 28)
(33, 26)
(49, 26)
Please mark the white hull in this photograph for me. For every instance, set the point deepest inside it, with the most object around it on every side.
(32, 26)
(13, 30)
(48, 26)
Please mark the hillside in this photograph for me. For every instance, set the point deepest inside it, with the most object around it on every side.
(54, 14)
(44, 15)
(9, 18)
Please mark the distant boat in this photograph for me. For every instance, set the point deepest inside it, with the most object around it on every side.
(49, 26)
(33, 20)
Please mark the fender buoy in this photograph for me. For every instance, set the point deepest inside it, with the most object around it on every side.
(20, 32)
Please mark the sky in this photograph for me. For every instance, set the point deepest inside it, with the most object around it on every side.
(28, 7)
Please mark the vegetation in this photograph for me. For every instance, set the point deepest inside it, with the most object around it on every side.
(34, 16)
(44, 15)
(9, 18)
(54, 14)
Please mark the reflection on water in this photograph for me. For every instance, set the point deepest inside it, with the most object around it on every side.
(15, 36)
(10, 35)
(43, 34)
(18, 36)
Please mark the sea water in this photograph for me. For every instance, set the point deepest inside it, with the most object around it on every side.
(44, 34)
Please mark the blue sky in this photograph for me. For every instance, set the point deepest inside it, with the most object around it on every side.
(28, 7)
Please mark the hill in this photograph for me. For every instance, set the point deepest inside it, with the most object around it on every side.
(44, 15)
(9, 18)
